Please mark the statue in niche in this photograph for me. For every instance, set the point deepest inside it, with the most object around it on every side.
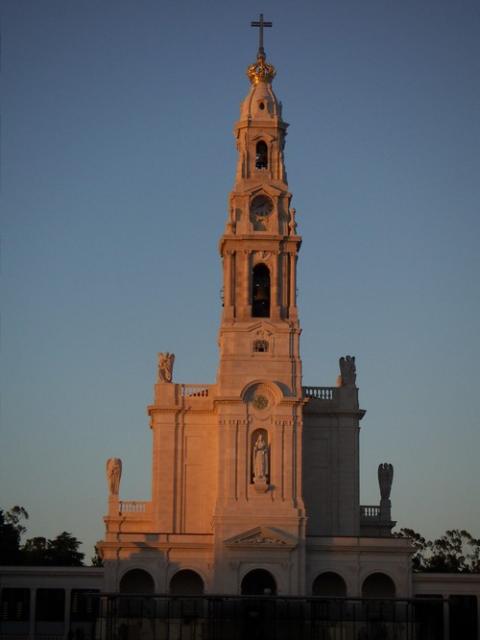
(260, 460)
(165, 366)
(114, 473)
(385, 479)
(348, 371)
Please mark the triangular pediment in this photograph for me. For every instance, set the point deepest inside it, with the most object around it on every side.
(262, 326)
(262, 187)
(261, 537)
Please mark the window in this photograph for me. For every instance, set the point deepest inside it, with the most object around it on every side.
(261, 292)
(260, 346)
(261, 156)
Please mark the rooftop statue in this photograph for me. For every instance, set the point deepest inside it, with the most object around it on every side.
(114, 473)
(165, 366)
(348, 371)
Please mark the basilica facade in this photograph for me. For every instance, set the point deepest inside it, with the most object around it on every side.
(255, 479)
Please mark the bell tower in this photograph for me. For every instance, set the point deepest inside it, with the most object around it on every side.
(259, 394)
(259, 247)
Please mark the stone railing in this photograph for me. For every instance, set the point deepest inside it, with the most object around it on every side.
(133, 506)
(370, 512)
(320, 393)
(194, 390)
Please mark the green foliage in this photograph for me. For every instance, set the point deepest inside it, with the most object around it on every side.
(11, 530)
(457, 551)
(61, 551)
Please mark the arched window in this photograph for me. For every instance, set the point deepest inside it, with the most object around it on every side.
(261, 155)
(261, 291)
(378, 585)
(186, 583)
(137, 581)
(258, 582)
(329, 585)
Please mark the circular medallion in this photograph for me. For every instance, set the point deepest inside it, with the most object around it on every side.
(260, 402)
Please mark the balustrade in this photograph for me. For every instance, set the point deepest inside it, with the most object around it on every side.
(370, 512)
(194, 390)
(133, 506)
(320, 393)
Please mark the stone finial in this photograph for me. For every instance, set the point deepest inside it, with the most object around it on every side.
(348, 371)
(385, 479)
(292, 225)
(165, 366)
(114, 473)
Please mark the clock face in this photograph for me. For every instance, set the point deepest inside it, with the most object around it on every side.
(261, 206)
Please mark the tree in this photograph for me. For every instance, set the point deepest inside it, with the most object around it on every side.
(63, 551)
(11, 530)
(34, 552)
(457, 551)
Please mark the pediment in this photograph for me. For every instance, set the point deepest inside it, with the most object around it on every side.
(265, 327)
(261, 537)
(261, 187)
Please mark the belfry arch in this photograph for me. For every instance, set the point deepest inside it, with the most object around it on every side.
(261, 155)
(261, 291)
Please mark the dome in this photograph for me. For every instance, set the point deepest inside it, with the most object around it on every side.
(261, 102)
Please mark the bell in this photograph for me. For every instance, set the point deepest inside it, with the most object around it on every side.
(260, 293)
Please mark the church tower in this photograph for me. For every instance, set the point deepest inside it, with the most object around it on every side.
(259, 402)
(255, 479)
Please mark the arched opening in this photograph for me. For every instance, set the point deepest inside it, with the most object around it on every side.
(137, 581)
(329, 585)
(186, 583)
(261, 291)
(261, 155)
(378, 585)
(258, 582)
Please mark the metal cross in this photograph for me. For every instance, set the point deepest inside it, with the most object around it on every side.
(261, 24)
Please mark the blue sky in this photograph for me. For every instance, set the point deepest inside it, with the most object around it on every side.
(117, 160)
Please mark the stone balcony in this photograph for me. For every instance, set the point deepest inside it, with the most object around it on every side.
(328, 399)
(183, 396)
(375, 520)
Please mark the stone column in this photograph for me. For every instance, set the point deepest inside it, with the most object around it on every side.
(247, 293)
(228, 285)
(275, 311)
(292, 311)
(67, 608)
(33, 607)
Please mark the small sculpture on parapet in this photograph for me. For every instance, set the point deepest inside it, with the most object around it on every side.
(292, 225)
(348, 372)
(165, 366)
(385, 479)
(114, 473)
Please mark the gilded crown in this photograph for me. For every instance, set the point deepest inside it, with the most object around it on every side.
(261, 71)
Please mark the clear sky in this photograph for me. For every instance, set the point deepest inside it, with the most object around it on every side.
(117, 160)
